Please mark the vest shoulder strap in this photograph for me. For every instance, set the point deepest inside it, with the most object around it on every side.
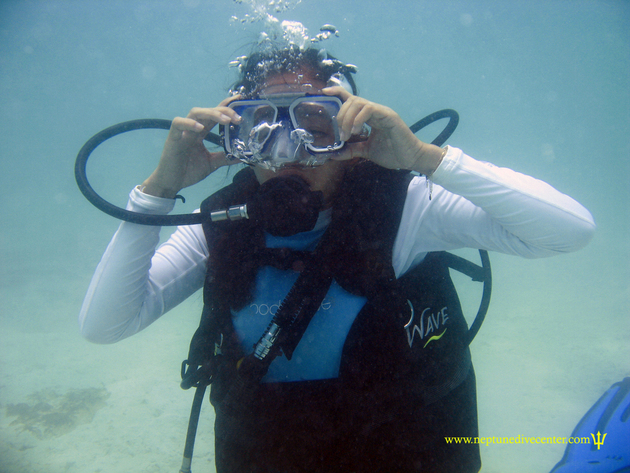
(365, 222)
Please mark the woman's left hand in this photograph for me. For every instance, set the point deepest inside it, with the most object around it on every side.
(391, 143)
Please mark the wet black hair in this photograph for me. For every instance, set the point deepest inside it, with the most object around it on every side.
(261, 64)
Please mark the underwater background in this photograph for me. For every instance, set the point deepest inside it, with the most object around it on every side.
(542, 87)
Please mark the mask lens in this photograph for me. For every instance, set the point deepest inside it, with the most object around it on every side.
(318, 116)
(253, 113)
(317, 119)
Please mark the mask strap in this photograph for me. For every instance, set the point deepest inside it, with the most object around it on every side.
(338, 79)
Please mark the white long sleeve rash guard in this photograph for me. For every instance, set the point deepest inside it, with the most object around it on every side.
(473, 204)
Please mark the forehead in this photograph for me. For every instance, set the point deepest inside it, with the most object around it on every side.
(290, 82)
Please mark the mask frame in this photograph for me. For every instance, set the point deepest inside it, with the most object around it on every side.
(280, 111)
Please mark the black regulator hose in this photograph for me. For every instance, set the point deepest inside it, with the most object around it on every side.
(453, 120)
(117, 212)
(196, 218)
(485, 296)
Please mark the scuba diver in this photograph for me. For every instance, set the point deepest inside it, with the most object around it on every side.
(331, 332)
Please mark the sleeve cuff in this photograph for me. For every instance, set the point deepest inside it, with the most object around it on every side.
(449, 162)
(149, 204)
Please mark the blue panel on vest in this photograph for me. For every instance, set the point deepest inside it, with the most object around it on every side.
(318, 355)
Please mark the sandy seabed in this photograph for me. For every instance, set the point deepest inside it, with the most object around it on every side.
(69, 405)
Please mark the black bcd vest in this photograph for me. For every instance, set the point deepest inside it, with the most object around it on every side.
(407, 347)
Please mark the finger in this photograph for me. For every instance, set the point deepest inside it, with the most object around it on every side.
(347, 113)
(364, 115)
(347, 117)
(338, 91)
(229, 99)
(181, 125)
(211, 116)
(343, 112)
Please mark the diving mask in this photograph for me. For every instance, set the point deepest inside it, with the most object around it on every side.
(285, 129)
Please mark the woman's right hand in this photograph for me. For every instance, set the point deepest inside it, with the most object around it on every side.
(185, 159)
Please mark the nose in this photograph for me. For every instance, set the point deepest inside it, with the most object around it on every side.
(284, 148)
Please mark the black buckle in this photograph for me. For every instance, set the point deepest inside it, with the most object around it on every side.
(196, 375)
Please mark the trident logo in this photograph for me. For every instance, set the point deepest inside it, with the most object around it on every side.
(598, 442)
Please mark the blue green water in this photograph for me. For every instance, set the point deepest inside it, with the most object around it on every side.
(542, 87)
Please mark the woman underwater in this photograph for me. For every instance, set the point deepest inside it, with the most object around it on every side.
(381, 373)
